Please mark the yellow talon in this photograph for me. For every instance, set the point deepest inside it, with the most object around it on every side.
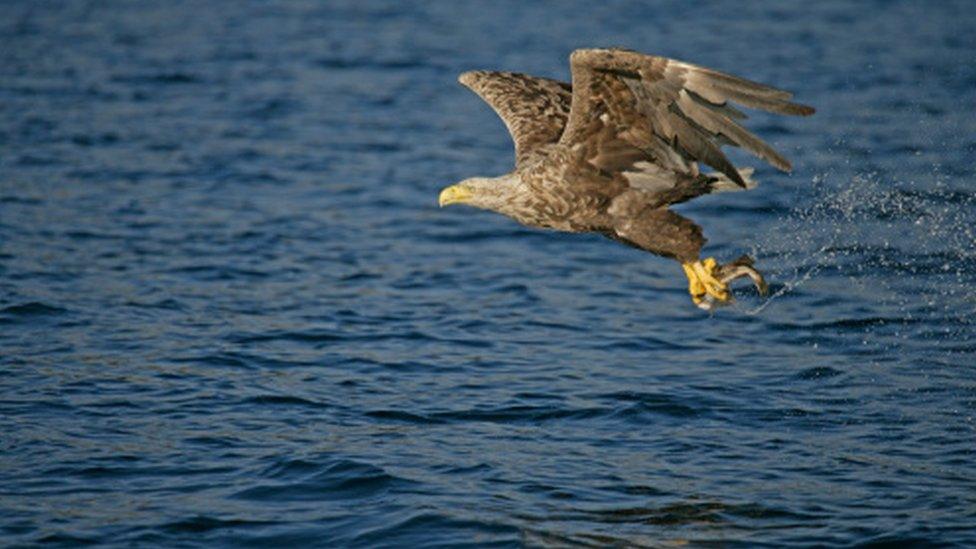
(695, 287)
(702, 282)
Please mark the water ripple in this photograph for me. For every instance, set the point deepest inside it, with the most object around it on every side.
(300, 480)
(231, 313)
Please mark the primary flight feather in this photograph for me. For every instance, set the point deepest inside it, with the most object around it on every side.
(609, 153)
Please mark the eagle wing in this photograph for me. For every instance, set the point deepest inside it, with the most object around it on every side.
(534, 109)
(630, 108)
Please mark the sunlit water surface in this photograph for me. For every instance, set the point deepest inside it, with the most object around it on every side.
(232, 314)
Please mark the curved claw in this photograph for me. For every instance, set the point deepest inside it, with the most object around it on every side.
(708, 282)
(714, 287)
(740, 268)
(703, 285)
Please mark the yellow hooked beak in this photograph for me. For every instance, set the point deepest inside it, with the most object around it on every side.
(453, 195)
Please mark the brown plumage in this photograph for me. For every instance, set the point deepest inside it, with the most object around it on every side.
(612, 151)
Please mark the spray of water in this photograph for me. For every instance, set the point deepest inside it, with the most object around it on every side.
(903, 244)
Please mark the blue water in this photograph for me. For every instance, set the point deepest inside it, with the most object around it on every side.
(232, 314)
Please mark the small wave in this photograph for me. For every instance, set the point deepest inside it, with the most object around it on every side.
(464, 470)
(520, 414)
(399, 415)
(217, 272)
(26, 313)
(221, 359)
(83, 140)
(273, 108)
(469, 236)
(91, 235)
(428, 529)
(367, 63)
(213, 441)
(368, 147)
(324, 336)
(818, 372)
(844, 324)
(507, 414)
(636, 490)
(303, 480)
(26, 200)
(67, 540)
(166, 304)
(36, 160)
(655, 403)
(201, 523)
(284, 400)
(359, 276)
(851, 323)
(680, 513)
(643, 343)
(316, 336)
(31, 309)
(157, 78)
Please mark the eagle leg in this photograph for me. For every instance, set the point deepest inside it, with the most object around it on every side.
(705, 288)
(708, 282)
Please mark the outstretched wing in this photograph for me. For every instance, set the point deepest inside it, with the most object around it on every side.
(534, 109)
(629, 107)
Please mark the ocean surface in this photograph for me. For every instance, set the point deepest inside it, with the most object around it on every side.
(232, 314)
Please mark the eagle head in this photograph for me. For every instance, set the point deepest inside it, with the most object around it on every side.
(488, 193)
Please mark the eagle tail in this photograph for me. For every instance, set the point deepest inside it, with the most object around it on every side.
(722, 183)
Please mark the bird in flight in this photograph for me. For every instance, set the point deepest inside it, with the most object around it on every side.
(611, 152)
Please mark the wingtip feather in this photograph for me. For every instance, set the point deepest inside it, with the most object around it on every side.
(467, 78)
(804, 110)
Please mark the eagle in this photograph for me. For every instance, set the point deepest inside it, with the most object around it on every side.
(613, 151)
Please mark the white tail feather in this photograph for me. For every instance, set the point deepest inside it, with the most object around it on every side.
(724, 184)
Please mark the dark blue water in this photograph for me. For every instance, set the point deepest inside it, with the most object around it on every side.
(232, 314)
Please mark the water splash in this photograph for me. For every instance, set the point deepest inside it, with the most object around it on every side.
(910, 245)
